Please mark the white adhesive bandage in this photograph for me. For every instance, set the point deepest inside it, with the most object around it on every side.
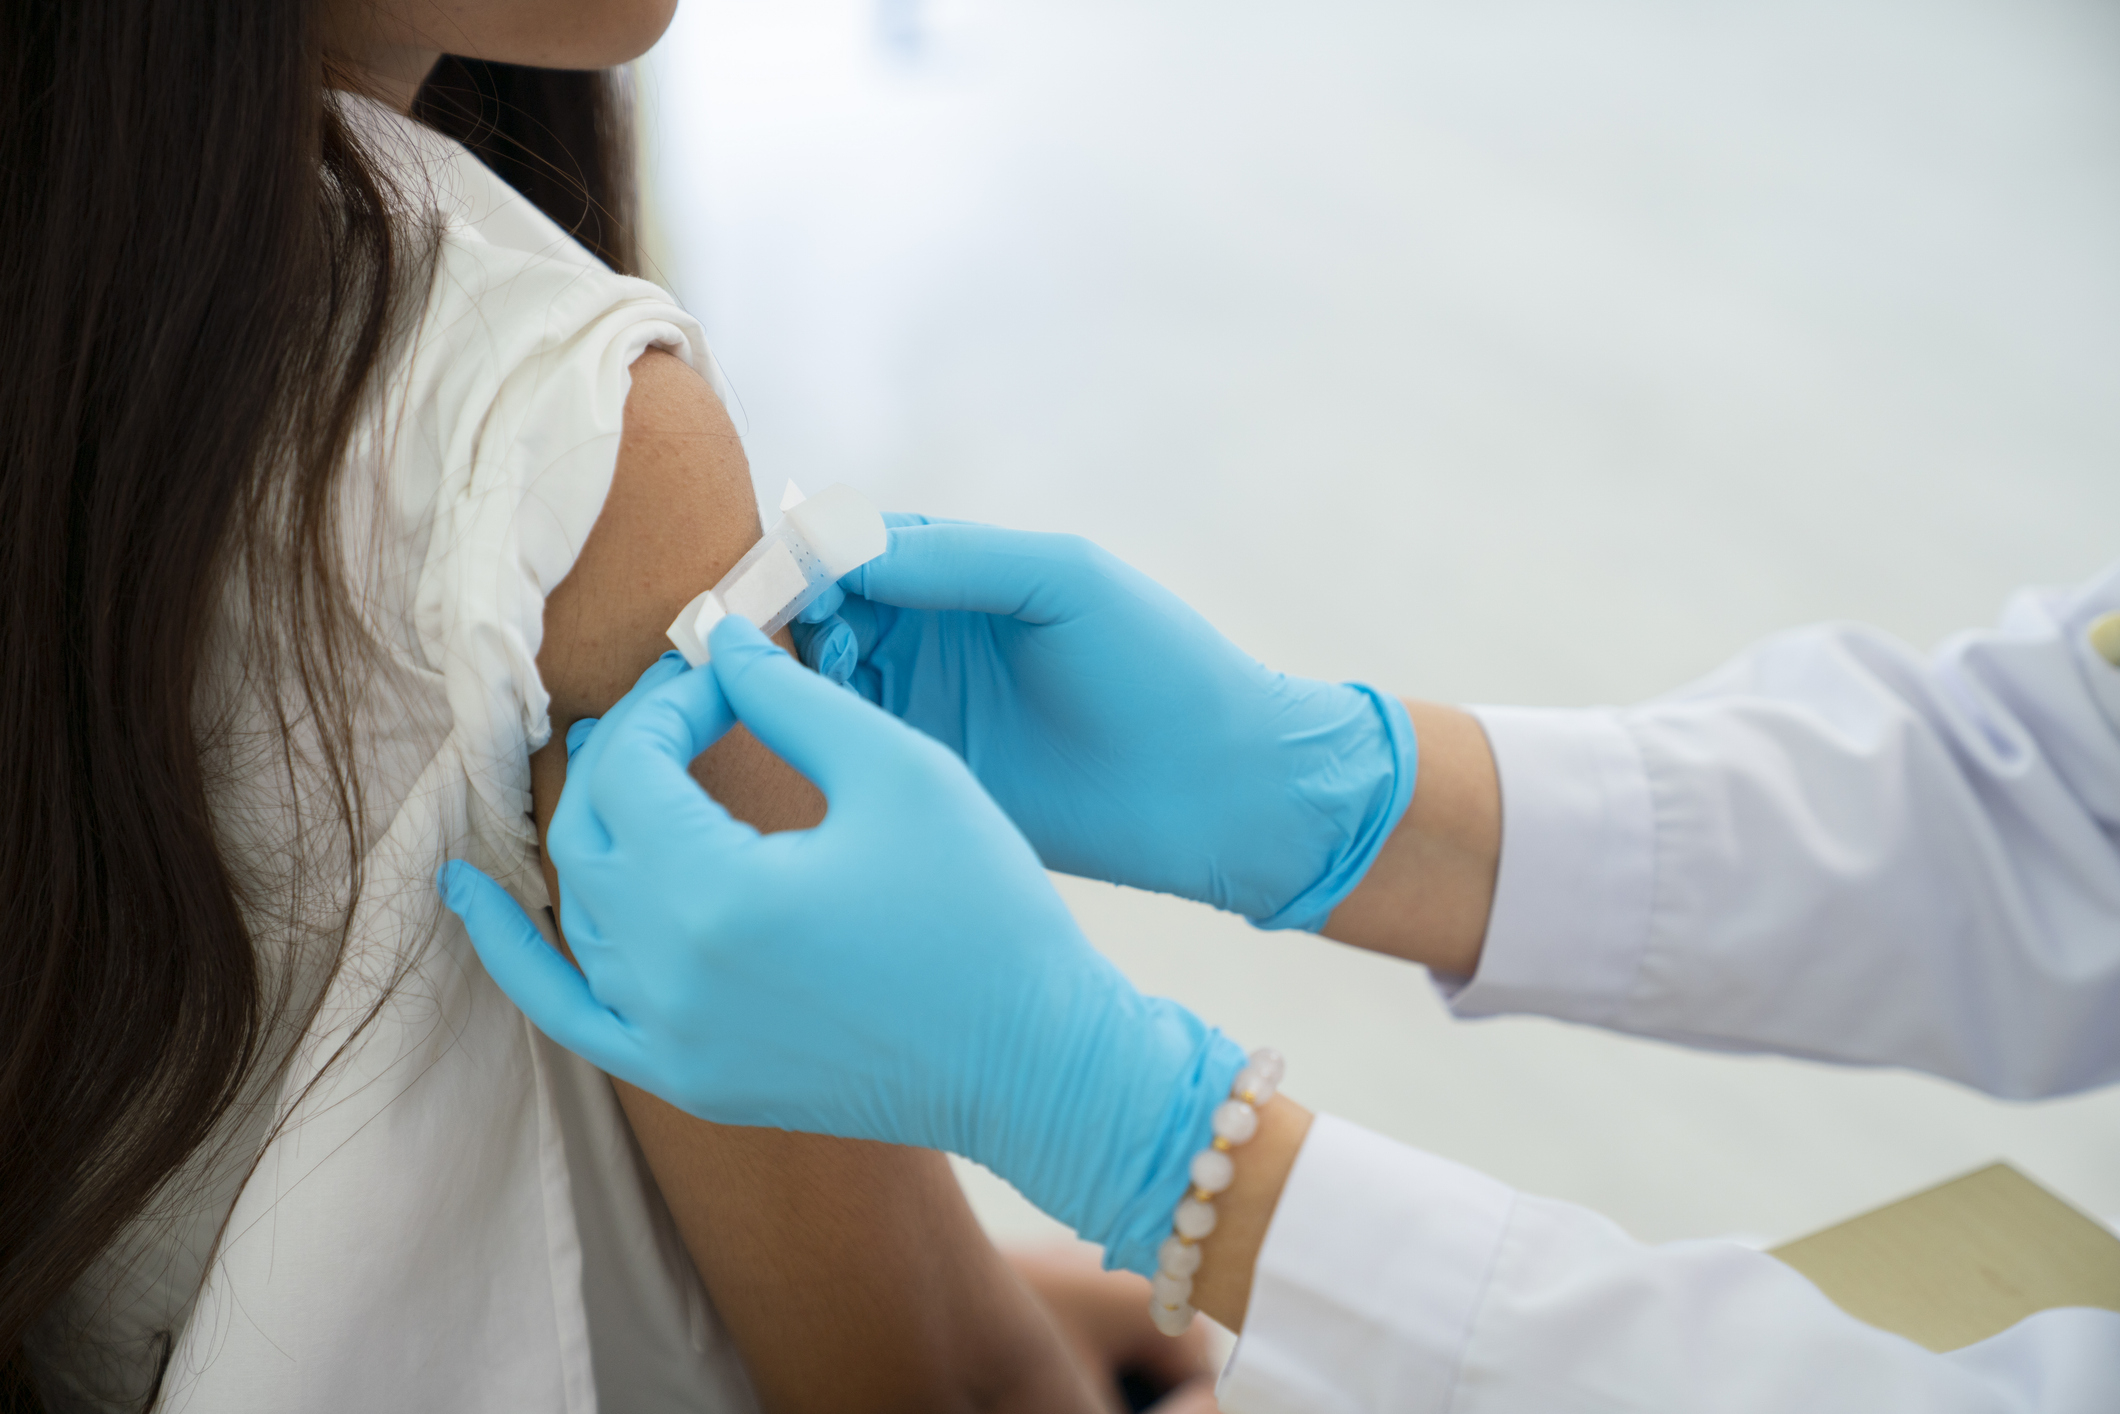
(818, 539)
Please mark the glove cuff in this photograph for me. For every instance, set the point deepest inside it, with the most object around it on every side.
(1114, 1105)
(1137, 1229)
(1309, 909)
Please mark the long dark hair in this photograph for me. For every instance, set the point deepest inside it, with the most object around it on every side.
(198, 276)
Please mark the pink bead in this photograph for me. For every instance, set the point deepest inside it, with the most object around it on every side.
(1168, 1290)
(1180, 1259)
(1171, 1320)
(1194, 1219)
(1235, 1121)
(1212, 1170)
(1268, 1062)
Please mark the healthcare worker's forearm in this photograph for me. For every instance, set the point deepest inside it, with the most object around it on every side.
(1427, 897)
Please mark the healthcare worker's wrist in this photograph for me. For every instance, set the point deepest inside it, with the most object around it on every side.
(1229, 1256)
(1430, 889)
(1367, 773)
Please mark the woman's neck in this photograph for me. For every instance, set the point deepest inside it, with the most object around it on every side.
(393, 76)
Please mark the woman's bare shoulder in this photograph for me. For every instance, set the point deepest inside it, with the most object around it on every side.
(679, 513)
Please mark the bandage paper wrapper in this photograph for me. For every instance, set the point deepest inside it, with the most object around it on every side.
(819, 538)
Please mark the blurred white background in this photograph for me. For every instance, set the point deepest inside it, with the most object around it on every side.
(1523, 351)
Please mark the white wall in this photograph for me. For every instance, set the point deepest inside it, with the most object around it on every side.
(1534, 352)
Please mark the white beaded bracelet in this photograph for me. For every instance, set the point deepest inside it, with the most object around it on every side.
(1235, 1120)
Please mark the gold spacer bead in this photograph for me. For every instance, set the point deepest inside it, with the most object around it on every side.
(1249, 1097)
(1221, 1143)
(1203, 1196)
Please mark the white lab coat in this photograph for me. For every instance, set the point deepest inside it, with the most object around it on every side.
(1833, 848)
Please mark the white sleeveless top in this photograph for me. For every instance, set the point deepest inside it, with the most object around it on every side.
(455, 1217)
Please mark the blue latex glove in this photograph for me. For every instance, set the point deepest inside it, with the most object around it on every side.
(1127, 738)
(903, 972)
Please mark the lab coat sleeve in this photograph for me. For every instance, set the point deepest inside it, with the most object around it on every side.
(1833, 847)
(1392, 1280)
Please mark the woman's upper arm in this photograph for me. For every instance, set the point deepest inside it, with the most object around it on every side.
(810, 1247)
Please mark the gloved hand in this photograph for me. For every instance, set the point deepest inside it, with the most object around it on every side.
(903, 972)
(1127, 739)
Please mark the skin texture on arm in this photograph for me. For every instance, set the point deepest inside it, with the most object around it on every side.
(853, 1276)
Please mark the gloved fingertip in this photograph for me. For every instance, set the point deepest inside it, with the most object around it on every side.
(737, 634)
(823, 607)
(447, 881)
(671, 656)
(579, 732)
(834, 653)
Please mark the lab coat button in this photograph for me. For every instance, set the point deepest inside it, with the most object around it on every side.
(2105, 636)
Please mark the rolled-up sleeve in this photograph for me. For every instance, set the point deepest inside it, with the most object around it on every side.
(1833, 847)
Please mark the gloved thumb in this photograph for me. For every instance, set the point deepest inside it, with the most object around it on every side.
(835, 738)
